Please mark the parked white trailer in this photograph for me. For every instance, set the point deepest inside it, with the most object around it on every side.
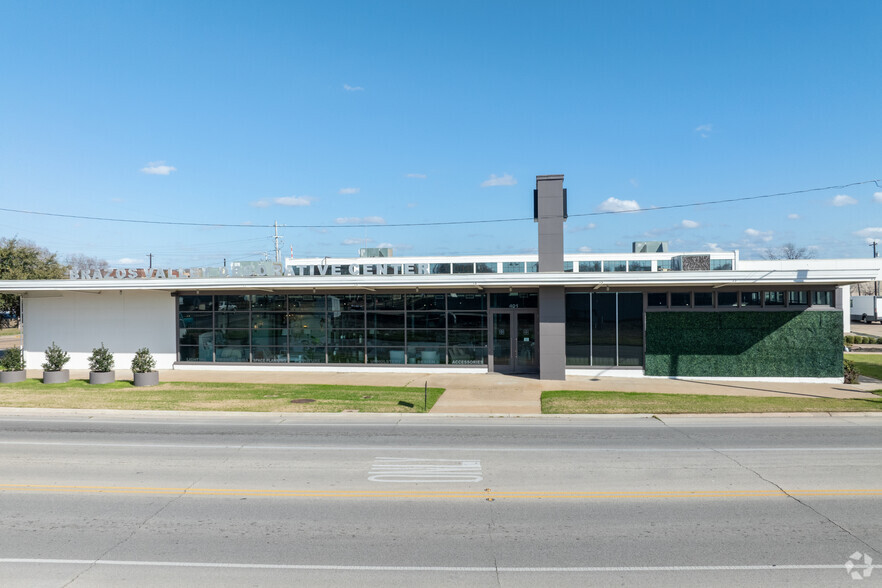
(866, 308)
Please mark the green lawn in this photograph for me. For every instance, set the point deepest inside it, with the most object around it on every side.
(868, 364)
(578, 402)
(11, 332)
(211, 396)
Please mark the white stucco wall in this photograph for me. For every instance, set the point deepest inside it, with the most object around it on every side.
(79, 322)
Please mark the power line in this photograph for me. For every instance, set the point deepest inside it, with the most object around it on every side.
(438, 223)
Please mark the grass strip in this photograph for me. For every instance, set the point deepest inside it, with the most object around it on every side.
(217, 396)
(868, 364)
(9, 332)
(581, 402)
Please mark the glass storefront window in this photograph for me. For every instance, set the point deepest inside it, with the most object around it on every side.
(229, 303)
(727, 299)
(512, 267)
(578, 329)
(630, 339)
(589, 266)
(463, 268)
(568, 266)
(721, 264)
(532, 267)
(514, 300)
(485, 267)
(382, 320)
(268, 302)
(822, 298)
(439, 268)
(774, 298)
(703, 298)
(195, 303)
(306, 303)
(639, 266)
(426, 320)
(615, 266)
(751, 299)
(458, 301)
(798, 298)
(680, 299)
(657, 299)
(385, 301)
(425, 302)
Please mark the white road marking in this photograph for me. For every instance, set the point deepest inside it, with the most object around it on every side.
(408, 469)
(380, 568)
(437, 448)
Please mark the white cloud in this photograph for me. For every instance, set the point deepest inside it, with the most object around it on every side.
(284, 201)
(634, 182)
(877, 196)
(842, 200)
(349, 190)
(416, 176)
(356, 220)
(870, 240)
(870, 232)
(503, 180)
(689, 224)
(385, 245)
(612, 204)
(588, 227)
(584, 249)
(793, 216)
(704, 130)
(356, 241)
(158, 168)
(714, 247)
(293, 200)
(128, 260)
(349, 88)
(756, 235)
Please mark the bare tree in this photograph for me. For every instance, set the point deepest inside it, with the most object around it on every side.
(789, 251)
(79, 261)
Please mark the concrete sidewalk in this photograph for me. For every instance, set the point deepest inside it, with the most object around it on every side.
(500, 394)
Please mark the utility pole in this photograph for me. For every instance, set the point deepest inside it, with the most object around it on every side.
(276, 238)
(150, 256)
(875, 283)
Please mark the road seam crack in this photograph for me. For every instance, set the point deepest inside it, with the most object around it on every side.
(775, 484)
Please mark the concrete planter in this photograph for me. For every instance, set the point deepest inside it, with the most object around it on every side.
(102, 377)
(59, 377)
(147, 379)
(12, 377)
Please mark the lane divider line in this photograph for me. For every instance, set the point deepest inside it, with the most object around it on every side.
(381, 568)
(435, 494)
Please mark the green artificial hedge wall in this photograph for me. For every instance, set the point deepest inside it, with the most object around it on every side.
(744, 344)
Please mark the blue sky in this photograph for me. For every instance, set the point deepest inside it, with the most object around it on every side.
(345, 113)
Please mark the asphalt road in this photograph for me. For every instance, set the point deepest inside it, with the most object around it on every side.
(423, 500)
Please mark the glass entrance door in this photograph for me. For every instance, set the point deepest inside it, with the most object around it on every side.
(515, 350)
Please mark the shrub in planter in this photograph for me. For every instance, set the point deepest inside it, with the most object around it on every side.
(101, 366)
(850, 371)
(12, 366)
(53, 367)
(849, 339)
(143, 368)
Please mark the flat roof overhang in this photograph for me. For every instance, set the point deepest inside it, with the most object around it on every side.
(268, 284)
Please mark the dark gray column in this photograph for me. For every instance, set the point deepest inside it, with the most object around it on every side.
(549, 210)
(550, 213)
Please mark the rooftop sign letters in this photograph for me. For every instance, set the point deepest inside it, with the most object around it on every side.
(254, 270)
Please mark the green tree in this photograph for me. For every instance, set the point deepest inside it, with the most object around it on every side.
(24, 260)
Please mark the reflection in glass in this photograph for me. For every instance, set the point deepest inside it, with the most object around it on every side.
(457, 301)
(639, 266)
(485, 268)
(727, 299)
(512, 267)
(615, 266)
(589, 266)
(654, 299)
(603, 329)
(630, 329)
(463, 268)
(578, 329)
(798, 298)
(203, 303)
(751, 299)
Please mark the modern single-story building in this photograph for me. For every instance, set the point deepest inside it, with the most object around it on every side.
(648, 312)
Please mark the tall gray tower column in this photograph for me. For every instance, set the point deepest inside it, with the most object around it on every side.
(550, 211)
